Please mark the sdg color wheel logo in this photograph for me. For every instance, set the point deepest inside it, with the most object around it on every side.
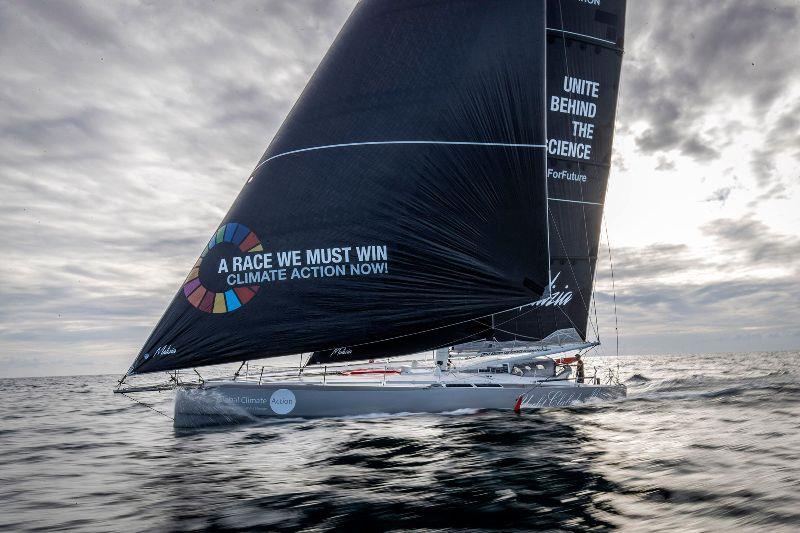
(217, 298)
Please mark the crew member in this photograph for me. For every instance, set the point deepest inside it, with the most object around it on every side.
(579, 371)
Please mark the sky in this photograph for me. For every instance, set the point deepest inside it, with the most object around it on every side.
(128, 128)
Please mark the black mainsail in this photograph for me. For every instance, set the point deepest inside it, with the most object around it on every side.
(584, 58)
(402, 200)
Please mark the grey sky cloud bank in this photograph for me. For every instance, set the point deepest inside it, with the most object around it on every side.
(128, 128)
(697, 70)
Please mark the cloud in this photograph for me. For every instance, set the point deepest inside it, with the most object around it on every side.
(665, 164)
(779, 139)
(647, 263)
(700, 149)
(739, 295)
(670, 299)
(742, 315)
(754, 241)
(720, 195)
(778, 191)
(126, 131)
(693, 81)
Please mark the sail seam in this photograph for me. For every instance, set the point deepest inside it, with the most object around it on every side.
(582, 35)
(573, 201)
(371, 143)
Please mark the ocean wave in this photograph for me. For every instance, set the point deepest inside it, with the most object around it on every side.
(701, 443)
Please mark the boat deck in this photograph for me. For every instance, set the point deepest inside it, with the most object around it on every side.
(395, 377)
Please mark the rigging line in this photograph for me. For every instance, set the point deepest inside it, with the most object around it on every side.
(593, 281)
(475, 319)
(147, 405)
(620, 96)
(374, 143)
(594, 304)
(517, 334)
(589, 349)
(595, 326)
(574, 276)
(567, 317)
(620, 87)
(489, 327)
(613, 286)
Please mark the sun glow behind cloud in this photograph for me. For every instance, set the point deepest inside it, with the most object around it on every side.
(127, 129)
(703, 198)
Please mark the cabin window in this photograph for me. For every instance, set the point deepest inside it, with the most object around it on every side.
(494, 370)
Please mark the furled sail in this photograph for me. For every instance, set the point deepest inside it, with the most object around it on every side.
(584, 59)
(402, 198)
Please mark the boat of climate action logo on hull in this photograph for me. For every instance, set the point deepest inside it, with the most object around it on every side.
(234, 265)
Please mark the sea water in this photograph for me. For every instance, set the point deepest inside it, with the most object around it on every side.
(702, 443)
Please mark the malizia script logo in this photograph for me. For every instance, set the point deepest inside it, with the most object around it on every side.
(161, 351)
(234, 266)
(555, 298)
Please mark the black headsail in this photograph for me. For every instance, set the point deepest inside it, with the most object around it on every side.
(402, 198)
(584, 58)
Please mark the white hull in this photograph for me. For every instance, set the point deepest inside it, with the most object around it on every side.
(231, 402)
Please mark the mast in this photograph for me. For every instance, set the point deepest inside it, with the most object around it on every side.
(546, 189)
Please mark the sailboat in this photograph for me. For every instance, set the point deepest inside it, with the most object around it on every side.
(437, 188)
